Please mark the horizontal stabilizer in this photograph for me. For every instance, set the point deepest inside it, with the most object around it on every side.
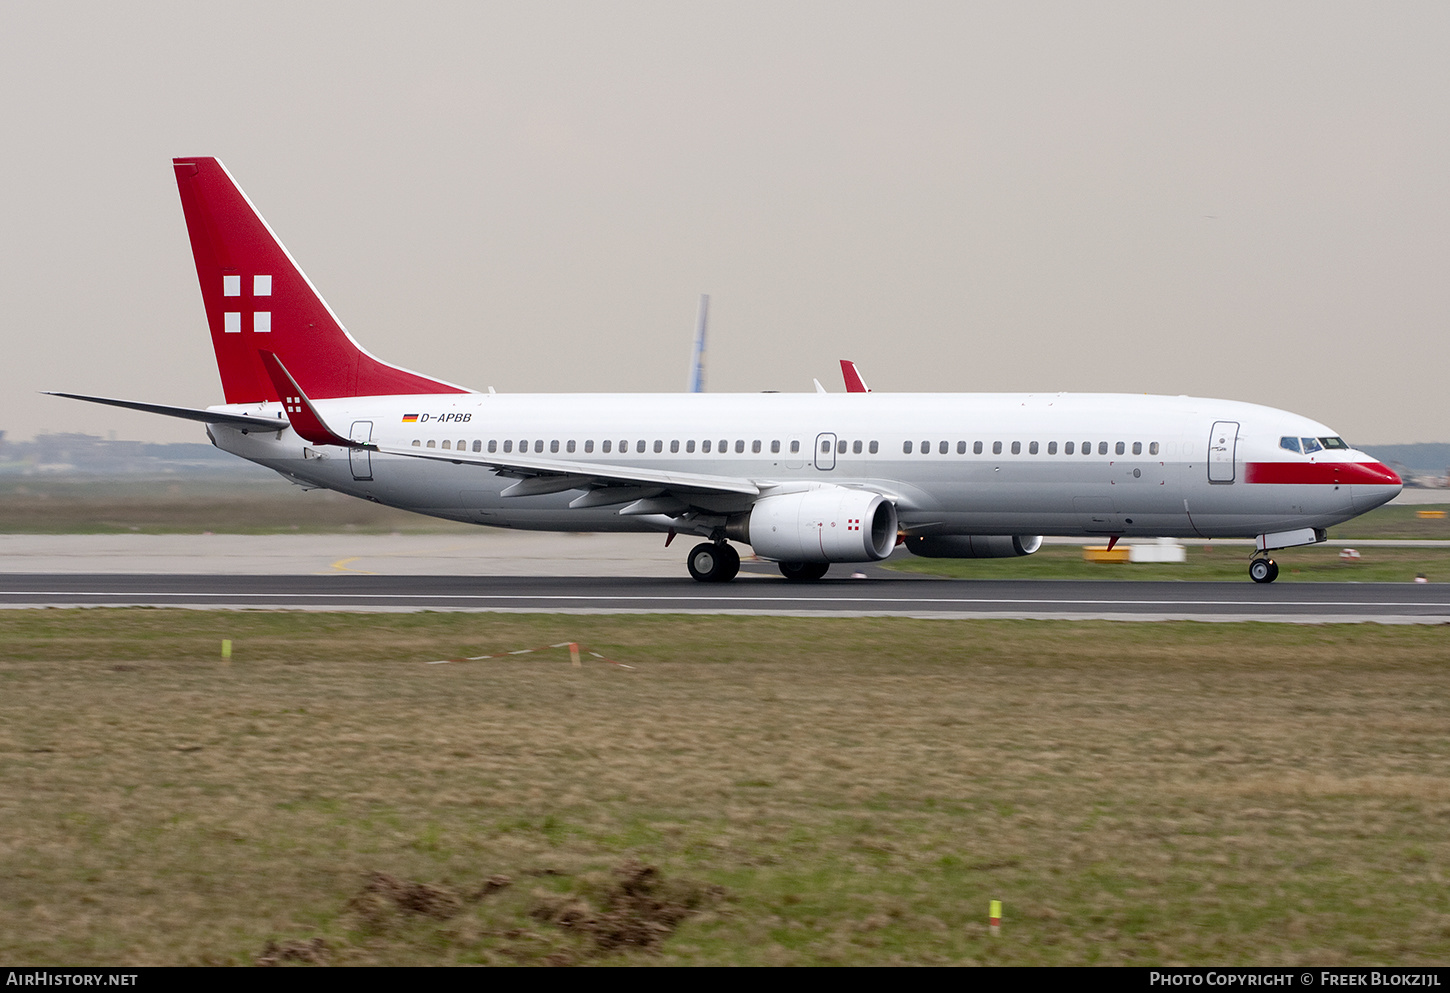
(186, 413)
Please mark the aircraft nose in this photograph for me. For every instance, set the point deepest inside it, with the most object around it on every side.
(1390, 477)
(1375, 484)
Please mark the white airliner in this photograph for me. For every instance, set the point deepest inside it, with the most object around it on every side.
(804, 479)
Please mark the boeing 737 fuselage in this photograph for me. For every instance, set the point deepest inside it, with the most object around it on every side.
(805, 479)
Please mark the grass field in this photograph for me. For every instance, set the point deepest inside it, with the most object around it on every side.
(753, 791)
(263, 505)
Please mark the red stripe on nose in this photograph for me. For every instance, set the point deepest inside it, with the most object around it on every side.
(1322, 473)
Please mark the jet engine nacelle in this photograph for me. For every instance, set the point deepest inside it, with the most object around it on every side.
(974, 546)
(827, 524)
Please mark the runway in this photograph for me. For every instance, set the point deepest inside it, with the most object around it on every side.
(517, 572)
(904, 596)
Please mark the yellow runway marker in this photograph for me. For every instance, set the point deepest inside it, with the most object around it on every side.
(341, 566)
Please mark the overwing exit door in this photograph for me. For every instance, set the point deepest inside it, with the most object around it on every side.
(825, 451)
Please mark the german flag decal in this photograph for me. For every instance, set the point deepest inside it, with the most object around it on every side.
(410, 418)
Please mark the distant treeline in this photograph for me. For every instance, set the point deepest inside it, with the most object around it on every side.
(1428, 458)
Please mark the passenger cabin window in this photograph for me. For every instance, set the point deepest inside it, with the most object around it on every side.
(659, 447)
(447, 445)
(570, 447)
(926, 448)
(1121, 449)
(855, 448)
(478, 446)
(977, 448)
(996, 448)
(1032, 448)
(508, 446)
(1068, 448)
(1102, 448)
(942, 447)
(589, 446)
(705, 446)
(605, 447)
(1052, 448)
(1153, 448)
(755, 446)
(961, 448)
(874, 448)
(432, 443)
(775, 448)
(739, 446)
(724, 446)
(905, 446)
(1087, 448)
(1016, 448)
(639, 446)
(539, 446)
(674, 446)
(1137, 448)
(841, 447)
(417, 443)
(462, 444)
(554, 446)
(624, 446)
(690, 445)
(795, 447)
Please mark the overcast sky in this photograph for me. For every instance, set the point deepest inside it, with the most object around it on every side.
(1248, 201)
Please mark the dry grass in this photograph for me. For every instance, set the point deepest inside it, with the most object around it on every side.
(755, 791)
(265, 504)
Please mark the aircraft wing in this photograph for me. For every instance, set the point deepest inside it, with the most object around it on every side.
(186, 413)
(547, 475)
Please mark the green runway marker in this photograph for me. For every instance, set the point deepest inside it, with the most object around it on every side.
(227, 649)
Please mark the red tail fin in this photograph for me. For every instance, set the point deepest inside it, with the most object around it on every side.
(258, 299)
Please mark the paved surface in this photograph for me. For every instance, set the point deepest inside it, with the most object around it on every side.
(751, 594)
(513, 571)
(485, 552)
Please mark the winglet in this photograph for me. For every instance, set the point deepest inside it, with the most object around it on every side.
(304, 417)
(854, 382)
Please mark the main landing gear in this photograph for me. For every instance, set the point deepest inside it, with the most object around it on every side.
(1263, 569)
(803, 572)
(713, 562)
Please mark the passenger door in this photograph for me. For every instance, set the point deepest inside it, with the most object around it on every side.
(1222, 448)
(361, 459)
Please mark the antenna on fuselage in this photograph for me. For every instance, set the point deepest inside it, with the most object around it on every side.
(697, 357)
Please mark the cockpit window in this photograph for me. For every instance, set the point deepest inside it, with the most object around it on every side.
(1289, 444)
(1333, 443)
(1311, 445)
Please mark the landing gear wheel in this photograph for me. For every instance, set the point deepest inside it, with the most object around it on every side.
(712, 563)
(1263, 570)
(729, 564)
(803, 572)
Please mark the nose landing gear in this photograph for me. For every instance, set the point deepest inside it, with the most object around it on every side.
(713, 563)
(1263, 569)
